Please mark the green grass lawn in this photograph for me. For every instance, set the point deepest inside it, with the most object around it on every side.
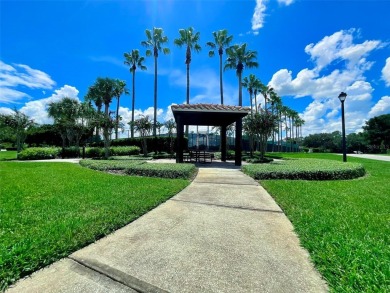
(8, 155)
(48, 210)
(345, 225)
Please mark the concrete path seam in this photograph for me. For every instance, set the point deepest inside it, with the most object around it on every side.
(229, 206)
(118, 276)
(226, 183)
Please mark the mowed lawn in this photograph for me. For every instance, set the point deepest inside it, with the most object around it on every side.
(48, 210)
(344, 224)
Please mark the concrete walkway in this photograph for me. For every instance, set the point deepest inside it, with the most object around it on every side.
(223, 233)
(371, 157)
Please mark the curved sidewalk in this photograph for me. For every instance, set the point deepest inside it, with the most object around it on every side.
(223, 233)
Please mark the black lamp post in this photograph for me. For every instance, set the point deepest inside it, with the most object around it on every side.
(342, 97)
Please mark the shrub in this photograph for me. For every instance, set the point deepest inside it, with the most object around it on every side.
(125, 150)
(107, 165)
(70, 152)
(307, 169)
(39, 153)
(163, 170)
(94, 152)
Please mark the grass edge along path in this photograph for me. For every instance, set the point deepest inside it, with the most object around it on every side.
(343, 224)
(49, 210)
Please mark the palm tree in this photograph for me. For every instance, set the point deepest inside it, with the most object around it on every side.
(190, 40)
(266, 91)
(106, 88)
(276, 102)
(94, 96)
(221, 41)
(143, 125)
(250, 84)
(120, 89)
(238, 58)
(134, 60)
(256, 90)
(154, 42)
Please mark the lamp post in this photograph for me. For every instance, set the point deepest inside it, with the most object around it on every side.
(342, 97)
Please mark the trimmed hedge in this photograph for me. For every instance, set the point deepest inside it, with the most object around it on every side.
(142, 168)
(97, 152)
(305, 169)
(39, 153)
(163, 170)
(107, 165)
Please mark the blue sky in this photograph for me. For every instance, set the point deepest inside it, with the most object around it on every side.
(309, 51)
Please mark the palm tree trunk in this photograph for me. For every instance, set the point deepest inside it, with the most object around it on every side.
(239, 88)
(117, 119)
(133, 107)
(256, 103)
(220, 78)
(188, 90)
(155, 96)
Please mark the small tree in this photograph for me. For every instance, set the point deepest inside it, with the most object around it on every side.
(261, 125)
(19, 123)
(170, 125)
(143, 125)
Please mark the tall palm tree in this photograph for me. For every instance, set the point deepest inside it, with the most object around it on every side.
(250, 84)
(155, 40)
(266, 91)
(120, 88)
(222, 42)
(106, 88)
(256, 90)
(238, 58)
(275, 102)
(190, 40)
(94, 96)
(134, 60)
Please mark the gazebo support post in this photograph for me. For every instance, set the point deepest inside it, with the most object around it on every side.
(238, 143)
(179, 140)
(223, 143)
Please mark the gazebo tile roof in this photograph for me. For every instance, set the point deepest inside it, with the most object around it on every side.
(210, 107)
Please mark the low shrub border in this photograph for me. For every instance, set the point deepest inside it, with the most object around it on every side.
(39, 153)
(306, 169)
(142, 168)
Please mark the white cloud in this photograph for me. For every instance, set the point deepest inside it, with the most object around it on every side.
(322, 115)
(386, 72)
(15, 75)
(36, 110)
(258, 16)
(285, 2)
(6, 111)
(380, 108)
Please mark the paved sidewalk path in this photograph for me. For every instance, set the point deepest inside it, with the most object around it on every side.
(223, 233)
(371, 157)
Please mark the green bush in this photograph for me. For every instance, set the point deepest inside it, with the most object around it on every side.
(142, 168)
(107, 165)
(162, 155)
(39, 153)
(70, 152)
(125, 150)
(163, 170)
(94, 152)
(306, 169)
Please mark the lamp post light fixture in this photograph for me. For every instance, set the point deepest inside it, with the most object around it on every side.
(342, 97)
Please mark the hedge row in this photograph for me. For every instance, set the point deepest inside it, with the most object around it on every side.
(305, 169)
(159, 144)
(41, 153)
(142, 168)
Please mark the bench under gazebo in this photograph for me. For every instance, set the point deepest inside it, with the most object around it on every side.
(210, 115)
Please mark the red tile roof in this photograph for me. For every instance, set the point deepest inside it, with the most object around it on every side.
(209, 108)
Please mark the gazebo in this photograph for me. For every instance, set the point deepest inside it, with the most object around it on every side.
(210, 115)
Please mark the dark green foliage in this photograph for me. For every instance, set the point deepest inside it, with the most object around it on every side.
(305, 169)
(94, 152)
(108, 165)
(70, 152)
(377, 132)
(43, 135)
(39, 153)
(159, 144)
